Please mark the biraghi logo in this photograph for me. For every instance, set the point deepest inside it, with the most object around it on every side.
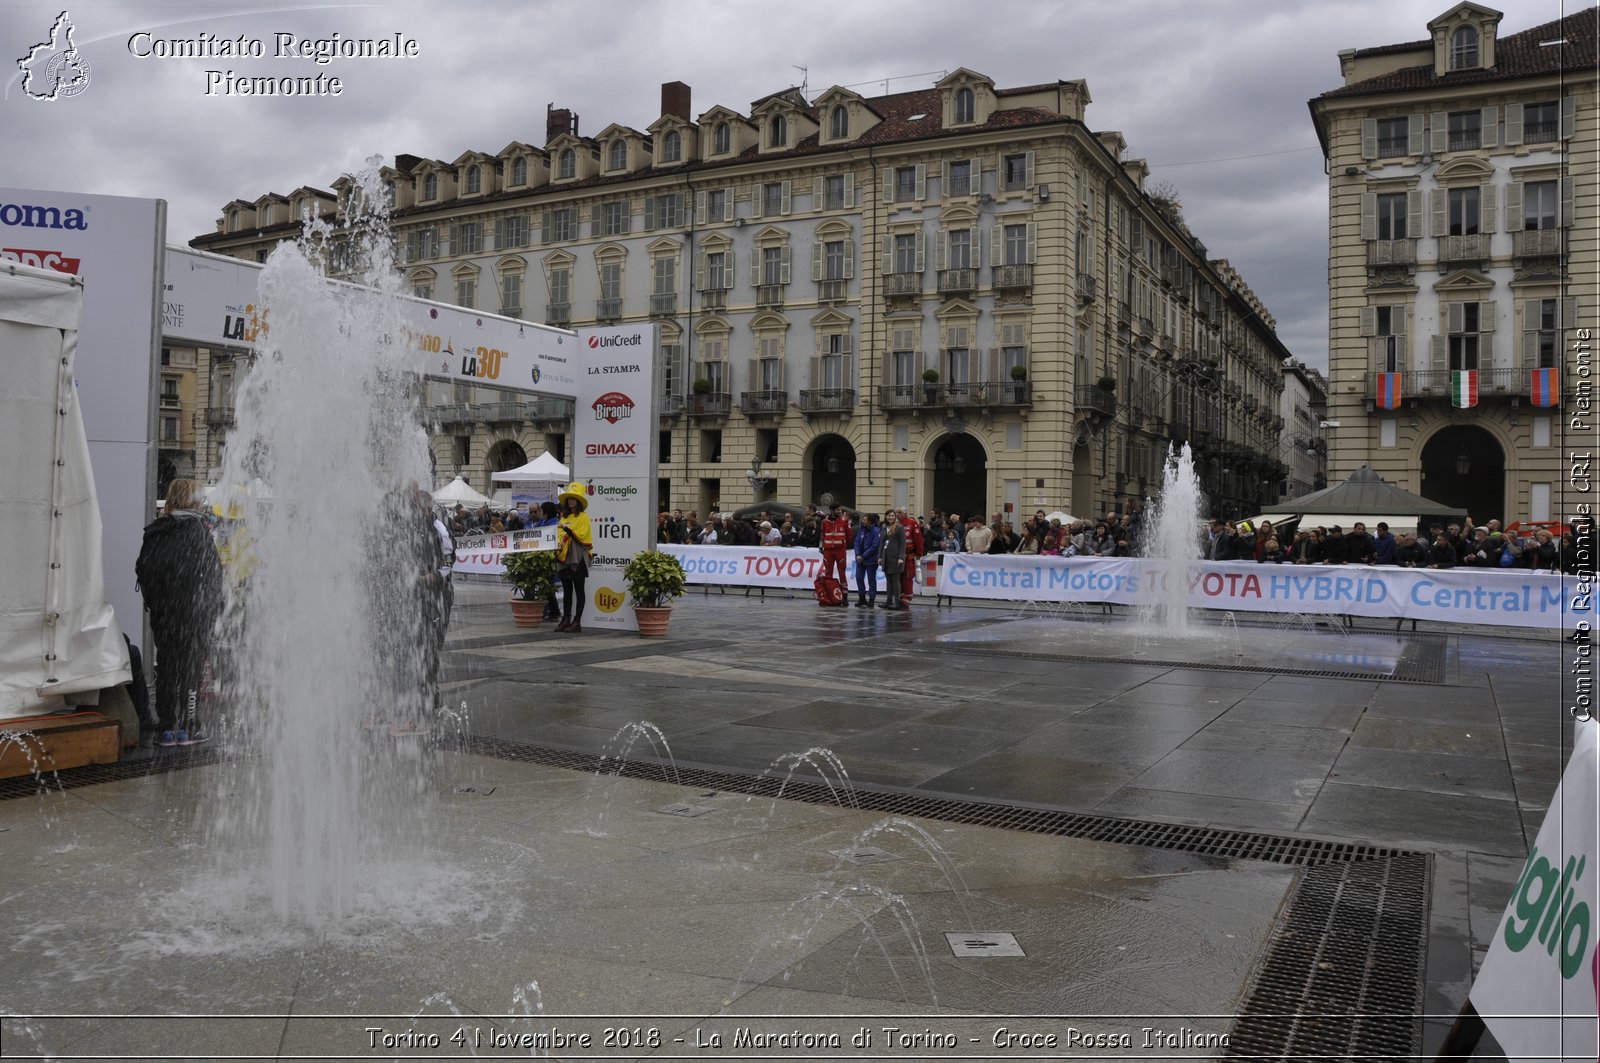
(596, 342)
(613, 406)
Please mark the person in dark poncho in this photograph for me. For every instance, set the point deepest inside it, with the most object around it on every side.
(180, 578)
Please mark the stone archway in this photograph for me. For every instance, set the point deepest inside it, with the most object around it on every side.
(832, 469)
(960, 475)
(1465, 466)
(506, 454)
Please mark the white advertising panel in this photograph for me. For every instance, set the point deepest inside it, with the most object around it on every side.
(614, 451)
(114, 244)
(777, 567)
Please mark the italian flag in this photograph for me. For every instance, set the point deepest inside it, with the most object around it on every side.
(1464, 388)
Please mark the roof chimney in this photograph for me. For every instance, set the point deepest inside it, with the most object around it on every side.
(675, 99)
(557, 120)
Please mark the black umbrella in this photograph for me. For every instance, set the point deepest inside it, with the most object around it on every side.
(770, 509)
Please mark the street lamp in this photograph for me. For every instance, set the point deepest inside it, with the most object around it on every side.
(1463, 464)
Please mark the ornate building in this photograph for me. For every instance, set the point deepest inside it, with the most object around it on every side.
(959, 297)
(1462, 225)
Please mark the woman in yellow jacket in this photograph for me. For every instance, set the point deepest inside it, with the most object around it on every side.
(574, 543)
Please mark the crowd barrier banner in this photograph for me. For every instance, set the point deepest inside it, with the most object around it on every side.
(780, 567)
(1496, 597)
(484, 555)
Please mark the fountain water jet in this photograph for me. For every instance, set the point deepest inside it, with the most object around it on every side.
(1173, 540)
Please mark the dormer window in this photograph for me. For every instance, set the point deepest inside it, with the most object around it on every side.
(430, 187)
(388, 194)
(474, 179)
(839, 123)
(965, 106)
(672, 146)
(519, 170)
(568, 166)
(778, 132)
(618, 158)
(266, 215)
(1464, 48)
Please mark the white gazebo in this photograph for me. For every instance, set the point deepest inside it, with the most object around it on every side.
(458, 491)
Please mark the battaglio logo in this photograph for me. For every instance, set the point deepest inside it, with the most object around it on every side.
(1544, 905)
(613, 406)
(55, 69)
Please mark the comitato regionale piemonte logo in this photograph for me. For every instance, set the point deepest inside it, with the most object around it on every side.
(55, 69)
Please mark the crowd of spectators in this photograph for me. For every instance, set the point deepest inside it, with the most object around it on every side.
(485, 521)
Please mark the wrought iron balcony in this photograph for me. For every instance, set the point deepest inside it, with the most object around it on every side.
(710, 404)
(669, 406)
(663, 304)
(1010, 393)
(714, 298)
(1097, 401)
(753, 403)
(827, 400)
(833, 290)
(902, 284)
(1391, 253)
(901, 396)
(171, 402)
(607, 309)
(558, 315)
(1435, 384)
(220, 417)
(549, 410)
(1474, 248)
(769, 295)
(958, 281)
(1013, 278)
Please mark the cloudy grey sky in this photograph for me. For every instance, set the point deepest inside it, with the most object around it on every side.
(1213, 94)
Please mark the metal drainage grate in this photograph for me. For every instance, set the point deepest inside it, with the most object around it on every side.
(1342, 978)
(966, 946)
(95, 774)
(1244, 845)
(1425, 663)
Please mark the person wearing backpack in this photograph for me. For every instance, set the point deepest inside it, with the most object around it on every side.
(180, 578)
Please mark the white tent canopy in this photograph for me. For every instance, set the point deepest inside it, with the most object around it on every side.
(544, 467)
(458, 491)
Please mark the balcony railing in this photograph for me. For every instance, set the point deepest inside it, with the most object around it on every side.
(957, 281)
(549, 409)
(763, 402)
(900, 396)
(902, 284)
(170, 402)
(714, 299)
(1465, 142)
(832, 290)
(769, 295)
(1392, 253)
(220, 417)
(1097, 400)
(1539, 132)
(711, 404)
(503, 412)
(669, 405)
(1474, 248)
(607, 309)
(1013, 278)
(827, 400)
(946, 396)
(1530, 243)
(663, 304)
(558, 315)
(1010, 393)
(511, 311)
(1086, 287)
(1435, 384)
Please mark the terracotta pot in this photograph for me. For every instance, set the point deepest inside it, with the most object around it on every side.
(653, 619)
(526, 613)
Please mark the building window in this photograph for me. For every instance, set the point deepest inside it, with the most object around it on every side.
(722, 139)
(1544, 338)
(771, 199)
(958, 363)
(663, 211)
(169, 429)
(519, 170)
(716, 205)
(560, 283)
(618, 155)
(665, 273)
(716, 271)
(959, 254)
(1539, 210)
(1541, 122)
(672, 146)
(839, 122)
(833, 259)
(561, 224)
(422, 243)
(1012, 357)
(830, 370)
(515, 230)
(771, 265)
(964, 108)
(511, 294)
(1392, 216)
(166, 356)
(466, 238)
(905, 366)
(568, 164)
(466, 291)
(778, 132)
(1015, 176)
(1014, 245)
(1463, 346)
(833, 192)
(169, 390)
(905, 253)
(474, 180)
(1464, 48)
(1463, 212)
(1388, 356)
(613, 219)
(1466, 129)
(430, 187)
(960, 183)
(905, 184)
(422, 289)
(611, 280)
(388, 194)
(1394, 136)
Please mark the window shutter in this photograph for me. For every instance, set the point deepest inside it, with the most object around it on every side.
(816, 260)
(1514, 207)
(888, 254)
(1486, 316)
(1569, 313)
(1369, 216)
(649, 213)
(727, 269)
(1033, 245)
(1413, 213)
(1439, 125)
(886, 184)
(1135, 235)
(1569, 116)
(940, 251)
(849, 259)
(922, 182)
(700, 272)
(627, 215)
(1029, 174)
(727, 205)
(994, 365)
(1513, 124)
(921, 252)
(1369, 138)
(1488, 197)
(997, 244)
(817, 197)
(1441, 355)
(975, 175)
(1400, 319)
(1489, 127)
(757, 199)
(700, 205)
(755, 267)
(1485, 350)
(1414, 135)
(1530, 350)
(1455, 317)
(680, 204)
(783, 278)
(783, 207)
(1437, 197)
(1369, 321)
(1529, 308)
(752, 371)
(1402, 353)
(849, 190)
(1566, 202)
(816, 368)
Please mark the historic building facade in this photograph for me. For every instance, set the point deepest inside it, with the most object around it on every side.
(1462, 256)
(959, 297)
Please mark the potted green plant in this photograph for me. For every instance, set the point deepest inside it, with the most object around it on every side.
(1019, 373)
(930, 384)
(532, 574)
(1107, 383)
(701, 386)
(653, 579)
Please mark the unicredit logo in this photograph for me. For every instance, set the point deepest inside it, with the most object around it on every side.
(596, 342)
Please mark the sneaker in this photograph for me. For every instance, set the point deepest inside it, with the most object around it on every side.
(195, 737)
(168, 739)
(180, 737)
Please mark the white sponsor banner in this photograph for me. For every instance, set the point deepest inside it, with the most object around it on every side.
(781, 567)
(620, 524)
(485, 554)
(114, 244)
(1461, 596)
(212, 301)
(1538, 987)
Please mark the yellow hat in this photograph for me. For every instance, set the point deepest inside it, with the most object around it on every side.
(576, 489)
